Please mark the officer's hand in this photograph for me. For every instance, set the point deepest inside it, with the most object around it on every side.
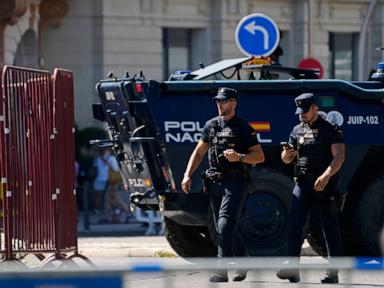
(186, 184)
(231, 155)
(290, 151)
(321, 182)
(288, 154)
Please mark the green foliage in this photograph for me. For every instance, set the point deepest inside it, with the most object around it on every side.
(90, 133)
(84, 151)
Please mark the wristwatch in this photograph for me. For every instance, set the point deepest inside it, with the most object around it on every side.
(241, 157)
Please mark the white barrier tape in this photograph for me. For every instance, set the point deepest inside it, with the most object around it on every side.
(274, 263)
(2, 118)
(57, 190)
(74, 192)
(3, 180)
(8, 194)
(6, 131)
(30, 183)
(54, 197)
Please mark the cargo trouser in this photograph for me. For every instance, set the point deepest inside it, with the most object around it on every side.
(227, 198)
(303, 199)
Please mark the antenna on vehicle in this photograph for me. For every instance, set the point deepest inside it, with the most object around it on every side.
(201, 65)
(141, 75)
(111, 74)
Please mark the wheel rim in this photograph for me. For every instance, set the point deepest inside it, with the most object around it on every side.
(264, 217)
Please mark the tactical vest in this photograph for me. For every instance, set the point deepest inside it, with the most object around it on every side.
(220, 139)
(314, 150)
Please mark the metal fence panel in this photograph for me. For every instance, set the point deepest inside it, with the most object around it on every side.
(37, 162)
(64, 157)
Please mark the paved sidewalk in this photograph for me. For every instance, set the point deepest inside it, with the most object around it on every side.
(132, 246)
(120, 239)
(128, 240)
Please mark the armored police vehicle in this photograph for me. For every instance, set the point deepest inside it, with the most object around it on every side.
(154, 126)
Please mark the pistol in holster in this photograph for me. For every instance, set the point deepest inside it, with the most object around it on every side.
(204, 182)
(342, 197)
(337, 202)
(340, 193)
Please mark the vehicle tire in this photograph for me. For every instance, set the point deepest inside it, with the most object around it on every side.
(370, 217)
(263, 224)
(350, 242)
(316, 240)
(189, 241)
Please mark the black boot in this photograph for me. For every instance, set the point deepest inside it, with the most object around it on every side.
(219, 276)
(330, 277)
(292, 275)
(239, 275)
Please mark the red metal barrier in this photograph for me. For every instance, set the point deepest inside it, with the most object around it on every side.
(2, 242)
(64, 155)
(37, 163)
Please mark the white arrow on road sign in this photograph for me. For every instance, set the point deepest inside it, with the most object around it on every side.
(257, 35)
(252, 28)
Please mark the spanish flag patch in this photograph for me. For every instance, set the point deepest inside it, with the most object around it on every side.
(261, 126)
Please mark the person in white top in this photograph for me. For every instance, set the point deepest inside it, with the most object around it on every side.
(102, 163)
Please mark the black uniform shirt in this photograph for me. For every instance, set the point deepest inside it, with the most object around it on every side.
(313, 144)
(232, 134)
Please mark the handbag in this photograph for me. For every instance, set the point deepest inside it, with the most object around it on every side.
(114, 177)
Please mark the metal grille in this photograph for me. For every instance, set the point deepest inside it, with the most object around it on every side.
(37, 162)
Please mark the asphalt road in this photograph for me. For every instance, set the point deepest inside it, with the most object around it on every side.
(176, 274)
(149, 262)
(125, 253)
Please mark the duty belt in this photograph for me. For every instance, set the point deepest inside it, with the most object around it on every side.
(308, 176)
(228, 174)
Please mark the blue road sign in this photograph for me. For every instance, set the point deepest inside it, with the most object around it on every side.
(257, 35)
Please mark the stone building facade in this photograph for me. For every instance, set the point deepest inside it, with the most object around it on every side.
(93, 37)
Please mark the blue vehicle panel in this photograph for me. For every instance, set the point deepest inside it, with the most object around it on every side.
(154, 126)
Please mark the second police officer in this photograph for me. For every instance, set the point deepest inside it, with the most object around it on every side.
(317, 148)
(232, 148)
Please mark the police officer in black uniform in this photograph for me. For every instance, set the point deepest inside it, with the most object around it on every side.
(317, 148)
(232, 149)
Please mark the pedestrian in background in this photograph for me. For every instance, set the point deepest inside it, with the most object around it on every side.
(102, 162)
(115, 209)
(232, 148)
(317, 148)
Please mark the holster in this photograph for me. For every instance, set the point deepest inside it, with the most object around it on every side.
(213, 175)
(338, 197)
(341, 198)
(204, 183)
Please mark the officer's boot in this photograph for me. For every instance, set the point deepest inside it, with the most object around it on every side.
(331, 277)
(239, 275)
(219, 276)
(292, 275)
